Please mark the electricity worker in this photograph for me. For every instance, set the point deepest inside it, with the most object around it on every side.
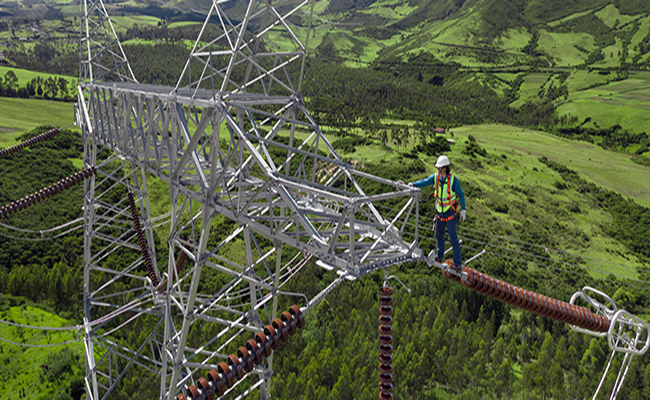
(448, 195)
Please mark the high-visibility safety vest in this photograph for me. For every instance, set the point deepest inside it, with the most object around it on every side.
(445, 197)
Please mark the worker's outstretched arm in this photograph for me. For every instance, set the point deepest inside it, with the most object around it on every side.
(427, 181)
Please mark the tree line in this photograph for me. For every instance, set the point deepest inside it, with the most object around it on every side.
(50, 88)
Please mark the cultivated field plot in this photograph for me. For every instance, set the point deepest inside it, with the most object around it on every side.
(626, 103)
(519, 149)
(608, 169)
(581, 80)
(121, 24)
(25, 75)
(390, 9)
(612, 17)
(530, 88)
(18, 116)
(513, 40)
(564, 47)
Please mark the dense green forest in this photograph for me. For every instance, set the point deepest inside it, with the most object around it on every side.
(450, 342)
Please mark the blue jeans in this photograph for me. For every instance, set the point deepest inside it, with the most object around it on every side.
(453, 238)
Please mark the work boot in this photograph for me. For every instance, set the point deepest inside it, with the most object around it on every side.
(457, 268)
(432, 256)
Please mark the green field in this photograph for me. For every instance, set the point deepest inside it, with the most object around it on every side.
(581, 80)
(29, 373)
(530, 88)
(562, 47)
(625, 103)
(184, 23)
(121, 24)
(608, 169)
(18, 116)
(513, 40)
(513, 162)
(610, 15)
(25, 75)
(570, 17)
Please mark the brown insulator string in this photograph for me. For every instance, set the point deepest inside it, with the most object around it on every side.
(385, 343)
(29, 142)
(179, 265)
(49, 191)
(531, 301)
(143, 243)
(247, 357)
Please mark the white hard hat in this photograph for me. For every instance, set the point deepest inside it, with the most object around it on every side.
(443, 161)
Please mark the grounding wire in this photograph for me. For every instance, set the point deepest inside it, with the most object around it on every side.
(56, 228)
(546, 248)
(537, 256)
(534, 255)
(39, 345)
(550, 259)
(65, 328)
(542, 265)
(558, 269)
(547, 258)
(43, 328)
(552, 267)
(41, 239)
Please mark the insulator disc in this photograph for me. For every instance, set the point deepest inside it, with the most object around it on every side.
(263, 342)
(492, 287)
(386, 368)
(386, 358)
(181, 397)
(196, 395)
(255, 350)
(217, 381)
(289, 321)
(386, 378)
(281, 328)
(207, 389)
(386, 387)
(385, 349)
(273, 337)
(385, 291)
(501, 291)
(386, 300)
(385, 320)
(386, 339)
(227, 372)
(236, 366)
(386, 310)
(385, 329)
(248, 358)
(297, 313)
(385, 396)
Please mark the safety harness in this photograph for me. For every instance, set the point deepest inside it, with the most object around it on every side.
(441, 204)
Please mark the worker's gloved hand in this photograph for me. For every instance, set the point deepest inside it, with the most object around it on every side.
(463, 215)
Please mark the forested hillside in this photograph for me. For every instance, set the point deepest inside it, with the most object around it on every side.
(385, 79)
(450, 342)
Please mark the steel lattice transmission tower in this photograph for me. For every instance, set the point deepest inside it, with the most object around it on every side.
(230, 145)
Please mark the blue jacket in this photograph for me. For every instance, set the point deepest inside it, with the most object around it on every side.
(455, 186)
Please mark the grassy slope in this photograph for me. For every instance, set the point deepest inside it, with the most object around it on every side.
(20, 115)
(28, 373)
(513, 158)
(530, 88)
(25, 75)
(624, 102)
(610, 170)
